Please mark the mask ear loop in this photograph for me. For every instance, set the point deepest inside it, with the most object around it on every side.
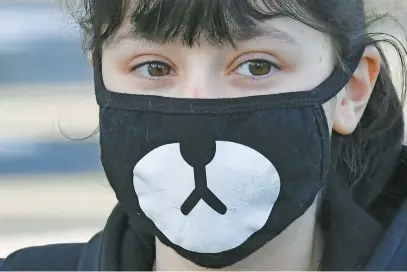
(103, 97)
(326, 91)
(339, 78)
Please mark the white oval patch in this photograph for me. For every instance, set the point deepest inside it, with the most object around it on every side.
(243, 179)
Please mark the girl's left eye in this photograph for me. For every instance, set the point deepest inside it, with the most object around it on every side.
(256, 68)
(153, 69)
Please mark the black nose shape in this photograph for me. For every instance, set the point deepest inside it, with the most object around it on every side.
(198, 154)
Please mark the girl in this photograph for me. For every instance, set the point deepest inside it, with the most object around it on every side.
(242, 135)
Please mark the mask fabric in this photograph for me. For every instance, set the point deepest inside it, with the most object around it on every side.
(216, 179)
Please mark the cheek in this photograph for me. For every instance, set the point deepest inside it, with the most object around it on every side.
(108, 72)
(112, 78)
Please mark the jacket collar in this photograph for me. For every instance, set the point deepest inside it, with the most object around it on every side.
(391, 252)
(120, 247)
(355, 239)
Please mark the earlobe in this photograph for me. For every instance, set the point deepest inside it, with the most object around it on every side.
(356, 94)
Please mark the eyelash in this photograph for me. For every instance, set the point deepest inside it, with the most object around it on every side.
(259, 60)
(140, 65)
(254, 78)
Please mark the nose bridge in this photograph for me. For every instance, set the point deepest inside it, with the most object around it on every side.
(200, 75)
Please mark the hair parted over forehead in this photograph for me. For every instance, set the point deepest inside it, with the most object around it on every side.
(218, 21)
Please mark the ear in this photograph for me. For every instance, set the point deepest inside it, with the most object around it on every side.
(356, 94)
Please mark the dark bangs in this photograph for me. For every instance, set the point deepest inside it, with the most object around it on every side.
(218, 21)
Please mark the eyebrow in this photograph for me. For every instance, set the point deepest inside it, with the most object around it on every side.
(271, 33)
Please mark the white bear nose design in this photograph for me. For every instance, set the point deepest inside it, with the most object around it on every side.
(207, 207)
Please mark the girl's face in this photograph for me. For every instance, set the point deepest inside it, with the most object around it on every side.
(287, 57)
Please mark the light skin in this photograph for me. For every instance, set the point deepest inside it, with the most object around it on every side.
(291, 57)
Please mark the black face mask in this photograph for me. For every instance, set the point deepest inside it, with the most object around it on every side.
(217, 179)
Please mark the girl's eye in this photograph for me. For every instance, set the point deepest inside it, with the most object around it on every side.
(256, 68)
(153, 69)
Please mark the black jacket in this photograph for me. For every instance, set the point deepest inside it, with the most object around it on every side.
(357, 238)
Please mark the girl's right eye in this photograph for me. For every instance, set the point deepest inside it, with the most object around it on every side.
(153, 70)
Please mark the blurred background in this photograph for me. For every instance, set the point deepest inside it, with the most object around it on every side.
(52, 189)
